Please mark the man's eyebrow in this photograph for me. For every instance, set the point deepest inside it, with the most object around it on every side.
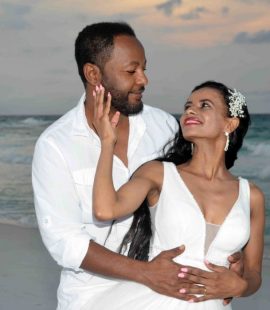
(136, 63)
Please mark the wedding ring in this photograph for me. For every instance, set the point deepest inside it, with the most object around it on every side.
(204, 293)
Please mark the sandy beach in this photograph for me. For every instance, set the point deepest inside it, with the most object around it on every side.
(29, 277)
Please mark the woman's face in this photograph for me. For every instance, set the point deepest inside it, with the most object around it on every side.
(205, 115)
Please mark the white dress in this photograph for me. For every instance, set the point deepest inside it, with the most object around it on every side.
(177, 219)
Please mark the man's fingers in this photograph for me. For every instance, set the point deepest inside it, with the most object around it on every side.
(172, 253)
(193, 278)
(235, 257)
(226, 301)
(193, 290)
(214, 267)
(188, 270)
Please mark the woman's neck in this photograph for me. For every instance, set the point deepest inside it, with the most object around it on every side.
(208, 160)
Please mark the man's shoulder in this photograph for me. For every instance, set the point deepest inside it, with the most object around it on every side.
(150, 111)
(60, 127)
(160, 117)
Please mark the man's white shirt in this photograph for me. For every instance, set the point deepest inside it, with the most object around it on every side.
(63, 171)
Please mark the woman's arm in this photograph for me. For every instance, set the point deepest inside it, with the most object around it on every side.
(253, 252)
(108, 203)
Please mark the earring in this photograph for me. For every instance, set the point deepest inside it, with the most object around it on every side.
(227, 141)
(192, 147)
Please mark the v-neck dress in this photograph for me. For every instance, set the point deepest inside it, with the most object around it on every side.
(177, 219)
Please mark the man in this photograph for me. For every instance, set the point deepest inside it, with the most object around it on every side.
(64, 164)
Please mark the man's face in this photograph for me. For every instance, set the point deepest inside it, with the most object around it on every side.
(124, 77)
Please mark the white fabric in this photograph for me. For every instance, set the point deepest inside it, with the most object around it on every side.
(177, 219)
(63, 171)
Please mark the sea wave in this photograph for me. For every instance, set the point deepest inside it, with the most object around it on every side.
(30, 121)
(264, 174)
(16, 159)
(257, 149)
(27, 221)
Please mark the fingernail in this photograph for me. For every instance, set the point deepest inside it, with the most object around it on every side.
(181, 275)
(109, 94)
(191, 300)
(184, 269)
(182, 291)
(97, 88)
(94, 93)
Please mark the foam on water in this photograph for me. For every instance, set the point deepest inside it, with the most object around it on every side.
(25, 121)
(31, 121)
(258, 149)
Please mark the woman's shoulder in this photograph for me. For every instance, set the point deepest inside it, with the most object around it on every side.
(152, 170)
(256, 194)
(257, 200)
(153, 166)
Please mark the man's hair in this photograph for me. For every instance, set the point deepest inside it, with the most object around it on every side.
(95, 43)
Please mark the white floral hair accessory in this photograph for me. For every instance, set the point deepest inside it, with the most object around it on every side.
(236, 103)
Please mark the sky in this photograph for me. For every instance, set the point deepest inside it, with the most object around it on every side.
(186, 42)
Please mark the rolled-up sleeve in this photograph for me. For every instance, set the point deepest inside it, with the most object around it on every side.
(58, 206)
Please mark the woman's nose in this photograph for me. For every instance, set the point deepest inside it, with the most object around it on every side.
(190, 110)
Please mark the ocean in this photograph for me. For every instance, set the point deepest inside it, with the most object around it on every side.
(18, 135)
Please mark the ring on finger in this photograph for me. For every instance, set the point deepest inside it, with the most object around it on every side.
(205, 291)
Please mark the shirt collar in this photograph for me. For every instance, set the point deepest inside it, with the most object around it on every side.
(80, 126)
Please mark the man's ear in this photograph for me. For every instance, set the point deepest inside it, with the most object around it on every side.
(92, 74)
(232, 124)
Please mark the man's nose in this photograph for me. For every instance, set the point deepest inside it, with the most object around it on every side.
(142, 79)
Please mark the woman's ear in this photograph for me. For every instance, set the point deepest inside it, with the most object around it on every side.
(232, 124)
(92, 74)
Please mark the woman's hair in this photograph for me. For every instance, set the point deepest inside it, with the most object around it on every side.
(237, 136)
(137, 239)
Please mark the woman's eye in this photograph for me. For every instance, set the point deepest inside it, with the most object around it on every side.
(205, 105)
(131, 71)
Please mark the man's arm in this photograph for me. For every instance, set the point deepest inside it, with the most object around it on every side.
(63, 232)
(160, 274)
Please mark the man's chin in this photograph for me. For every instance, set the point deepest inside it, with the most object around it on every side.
(130, 109)
(135, 109)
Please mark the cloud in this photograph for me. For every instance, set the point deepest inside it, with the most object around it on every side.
(225, 10)
(259, 37)
(168, 6)
(194, 14)
(13, 15)
(254, 1)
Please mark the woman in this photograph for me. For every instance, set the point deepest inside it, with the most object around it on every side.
(193, 199)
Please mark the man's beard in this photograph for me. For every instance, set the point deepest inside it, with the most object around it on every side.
(120, 101)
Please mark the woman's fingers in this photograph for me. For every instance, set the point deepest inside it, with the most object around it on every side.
(100, 107)
(115, 119)
(108, 104)
(193, 289)
(105, 128)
